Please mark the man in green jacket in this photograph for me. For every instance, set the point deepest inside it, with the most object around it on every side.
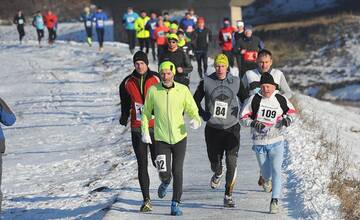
(168, 101)
(142, 34)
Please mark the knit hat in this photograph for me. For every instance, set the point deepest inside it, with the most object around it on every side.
(167, 65)
(248, 27)
(141, 56)
(174, 26)
(221, 59)
(267, 78)
(239, 23)
(201, 20)
(173, 37)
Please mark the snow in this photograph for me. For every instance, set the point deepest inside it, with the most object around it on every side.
(68, 158)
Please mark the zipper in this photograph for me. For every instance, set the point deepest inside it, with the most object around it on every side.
(168, 117)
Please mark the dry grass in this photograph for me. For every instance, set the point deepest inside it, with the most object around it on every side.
(345, 188)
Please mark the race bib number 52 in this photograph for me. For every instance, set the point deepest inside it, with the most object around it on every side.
(220, 109)
(161, 163)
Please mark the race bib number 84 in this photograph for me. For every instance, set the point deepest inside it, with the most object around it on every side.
(220, 109)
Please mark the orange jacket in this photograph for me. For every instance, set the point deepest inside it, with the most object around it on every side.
(50, 20)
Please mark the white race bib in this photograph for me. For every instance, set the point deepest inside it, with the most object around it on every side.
(153, 26)
(21, 21)
(130, 19)
(138, 110)
(227, 36)
(88, 23)
(268, 114)
(220, 109)
(101, 23)
(161, 34)
(161, 163)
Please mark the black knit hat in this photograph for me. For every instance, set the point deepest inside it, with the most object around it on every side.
(141, 56)
(267, 78)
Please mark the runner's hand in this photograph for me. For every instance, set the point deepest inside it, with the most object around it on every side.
(145, 138)
(194, 124)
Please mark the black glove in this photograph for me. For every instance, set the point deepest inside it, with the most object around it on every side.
(259, 126)
(123, 119)
(285, 122)
(205, 115)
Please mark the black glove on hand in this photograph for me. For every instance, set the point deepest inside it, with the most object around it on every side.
(123, 120)
(205, 115)
(259, 126)
(286, 122)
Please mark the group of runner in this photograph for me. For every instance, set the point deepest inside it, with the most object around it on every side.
(257, 98)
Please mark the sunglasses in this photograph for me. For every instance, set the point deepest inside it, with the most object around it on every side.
(172, 41)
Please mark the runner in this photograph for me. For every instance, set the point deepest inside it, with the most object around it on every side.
(7, 118)
(222, 93)
(168, 101)
(249, 46)
(133, 90)
(99, 18)
(142, 34)
(87, 18)
(129, 23)
(38, 23)
(225, 39)
(160, 34)
(180, 60)
(201, 42)
(267, 112)
(19, 21)
(50, 20)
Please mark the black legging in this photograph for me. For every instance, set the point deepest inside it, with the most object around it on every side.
(100, 34)
(52, 35)
(230, 57)
(21, 31)
(144, 42)
(131, 34)
(141, 153)
(202, 59)
(160, 52)
(218, 141)
(152, 45)
(174, 153)
(88, 31)
(40, 34)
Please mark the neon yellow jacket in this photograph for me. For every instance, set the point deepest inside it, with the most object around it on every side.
(139, 25)
(168, 106)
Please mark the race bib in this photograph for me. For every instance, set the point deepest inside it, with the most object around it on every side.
(250, 56)
(88, 23)
(138, 110)
(268, 114)
(153, 26)
(161, 34)
(21, 21)
(220, 109)
(227, 36)
(130, 19)
(101, 23)
(161, 163)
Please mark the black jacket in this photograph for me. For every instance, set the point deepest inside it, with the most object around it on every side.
(202, 39)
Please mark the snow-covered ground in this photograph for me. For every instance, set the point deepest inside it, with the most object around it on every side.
(67, 157)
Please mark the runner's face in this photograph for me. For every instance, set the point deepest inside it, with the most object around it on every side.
(264, 63)
(248, 33)
(221, 70)
(167, 77)
(141, 67)
(267, 90)
(172, 44)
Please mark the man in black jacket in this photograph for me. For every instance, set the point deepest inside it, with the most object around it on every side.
(179, 59)
(19, 20)
(202, 39)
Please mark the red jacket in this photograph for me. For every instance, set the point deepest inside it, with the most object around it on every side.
(225, 38)
(160, 35)
(132, 95)
(50, 20)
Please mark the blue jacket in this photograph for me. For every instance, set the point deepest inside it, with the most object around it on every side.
(129, 20)
(151, 26)
(6, 118)
(184, 23)
(100, 18)
(87, 18)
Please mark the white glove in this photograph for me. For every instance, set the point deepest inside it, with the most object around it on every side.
(194, 124)
(145, 138)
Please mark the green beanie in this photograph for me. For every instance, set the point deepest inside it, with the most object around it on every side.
(167, 65)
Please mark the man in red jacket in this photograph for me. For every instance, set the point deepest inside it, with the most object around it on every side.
(133, 91)
(50, 21)
(225, 39)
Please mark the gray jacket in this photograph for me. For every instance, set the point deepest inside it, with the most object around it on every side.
(221, 100)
